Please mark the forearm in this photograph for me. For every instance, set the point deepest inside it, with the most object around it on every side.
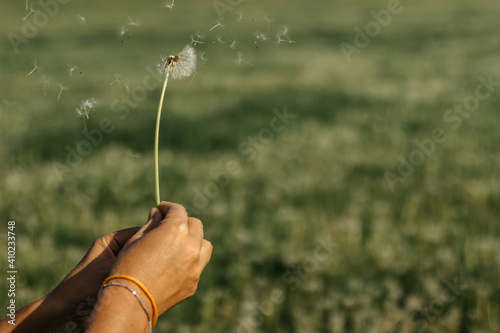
(118, 310)
(39, 316)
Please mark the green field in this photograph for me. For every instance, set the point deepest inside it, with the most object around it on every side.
(374, 208)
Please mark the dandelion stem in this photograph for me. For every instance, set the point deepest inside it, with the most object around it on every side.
(157, 135)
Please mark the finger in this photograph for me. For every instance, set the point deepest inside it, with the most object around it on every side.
(205, 253)
(170, 209)
(195, 227)
(155, 218)
(119, 238)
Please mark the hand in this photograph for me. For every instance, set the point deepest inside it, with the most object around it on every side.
(167, 255)
(78, 291)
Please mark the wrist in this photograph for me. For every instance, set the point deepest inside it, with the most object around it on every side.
(118, 309)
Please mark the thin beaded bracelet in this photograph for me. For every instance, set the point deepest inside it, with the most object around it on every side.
(133, 293)
(143, 288)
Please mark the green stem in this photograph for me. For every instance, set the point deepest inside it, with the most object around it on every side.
(157, 136)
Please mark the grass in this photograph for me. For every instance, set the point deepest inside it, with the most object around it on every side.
(321, 178)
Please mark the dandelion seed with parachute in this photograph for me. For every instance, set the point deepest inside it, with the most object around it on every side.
(284, 32)
(35, 68)
(169, 5)
(241, 17)
(27, 7)
(269, 21)
(177, 66)
(82, 19)
(197, 39)
(71, 69)
(219, 40)
(86, 107)
(259, 36)
(61, 88)
(234, 44)
(133, 23)
(117, 80)
(219, 24)
(240, 60)
(31, 10)
(45, 82)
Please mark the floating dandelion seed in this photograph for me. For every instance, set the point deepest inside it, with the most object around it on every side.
(240, 60)
(61, 88)
(45, 82)
(241, 17)
(219, 24)
(269, 21)
(71, 69)
(169, 4)
(35, 68)
(117, 80)
(197, 39)
(259, 36)
(178, 66)
(234, 44)
(202, 57)
(86, 107)
(27, 5)
(122, 31)
(31, 10)
(82, 19)
(194, 75)
(284, 32)
(219, 40)
(9, 104)
(133, 23)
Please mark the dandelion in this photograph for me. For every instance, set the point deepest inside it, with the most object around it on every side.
(61, 88)
(240, 60)
(234, 44)
(31, 10)
(35, 68)
(45, 82)
(269, 21)
(86, 107)
(133, 23)
(117, 80)
(219, 40)
(82, 19)
(219, 24)
(284, 32)
(71, 69)
(197, 39)
(178, 66)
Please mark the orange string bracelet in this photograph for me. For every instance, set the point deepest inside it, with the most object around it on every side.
(140, 285)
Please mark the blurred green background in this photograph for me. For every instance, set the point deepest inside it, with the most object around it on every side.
(309, 236)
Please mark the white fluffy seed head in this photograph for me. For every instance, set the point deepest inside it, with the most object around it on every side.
(181, 65)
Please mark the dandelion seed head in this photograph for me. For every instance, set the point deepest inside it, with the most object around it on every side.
(62, 87)
(45, 80)
(181, 65)
(268, 20)
(86, 106)
(203, 58)
(168, 4)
